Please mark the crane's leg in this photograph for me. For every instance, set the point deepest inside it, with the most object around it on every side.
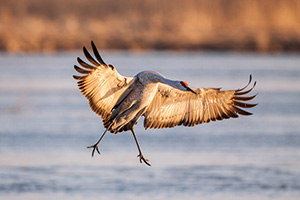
(142, 158)
(95, 146)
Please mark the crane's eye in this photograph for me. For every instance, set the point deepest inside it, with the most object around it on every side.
(184, 84)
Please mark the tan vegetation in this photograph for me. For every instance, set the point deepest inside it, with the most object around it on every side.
(41, 25)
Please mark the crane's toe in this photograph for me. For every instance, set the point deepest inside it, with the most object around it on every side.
(142, 158)
(95, 147)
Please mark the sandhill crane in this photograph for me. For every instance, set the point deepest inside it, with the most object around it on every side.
(164, 103)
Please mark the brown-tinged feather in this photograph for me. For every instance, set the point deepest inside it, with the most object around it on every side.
(250, 79)
(242, 112)
(96, 53)
(244, 105)
(244, 98)
(246, 92)
(80, 70)
(89, 57)
(84, 64)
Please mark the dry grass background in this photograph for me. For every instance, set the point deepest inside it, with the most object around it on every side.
(256, 25)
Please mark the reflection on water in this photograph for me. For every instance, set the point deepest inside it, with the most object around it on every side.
(46, 125)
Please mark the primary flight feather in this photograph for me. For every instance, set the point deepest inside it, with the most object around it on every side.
(163, 102)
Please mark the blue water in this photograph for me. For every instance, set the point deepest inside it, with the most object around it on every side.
(46, 125)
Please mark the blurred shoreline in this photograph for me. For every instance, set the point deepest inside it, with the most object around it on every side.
(249, 25)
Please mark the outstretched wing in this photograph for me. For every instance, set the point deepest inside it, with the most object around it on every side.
(171, 107)
(100, 83)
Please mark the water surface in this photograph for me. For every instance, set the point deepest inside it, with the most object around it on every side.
(46, 125)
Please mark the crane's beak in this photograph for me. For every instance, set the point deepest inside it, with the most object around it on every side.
(189, 89)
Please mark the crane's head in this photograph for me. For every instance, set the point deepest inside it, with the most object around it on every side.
(186, 86)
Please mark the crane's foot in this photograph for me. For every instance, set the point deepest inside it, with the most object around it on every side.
(95, 147)
(142, 158)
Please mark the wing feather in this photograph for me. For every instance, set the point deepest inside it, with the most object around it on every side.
(185, 108)
(101, 84)
(80, 70)
(97, 55)
(89, 57)
(84, 64)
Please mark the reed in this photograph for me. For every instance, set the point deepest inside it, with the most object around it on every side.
(40, 25)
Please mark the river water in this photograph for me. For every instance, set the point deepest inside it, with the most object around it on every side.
(46, 125)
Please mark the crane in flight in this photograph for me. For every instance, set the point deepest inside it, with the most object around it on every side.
(163, 102)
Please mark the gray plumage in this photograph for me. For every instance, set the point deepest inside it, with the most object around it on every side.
(164, 103)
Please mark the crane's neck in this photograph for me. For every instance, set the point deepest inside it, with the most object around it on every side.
(147, 77)
(172, 83)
